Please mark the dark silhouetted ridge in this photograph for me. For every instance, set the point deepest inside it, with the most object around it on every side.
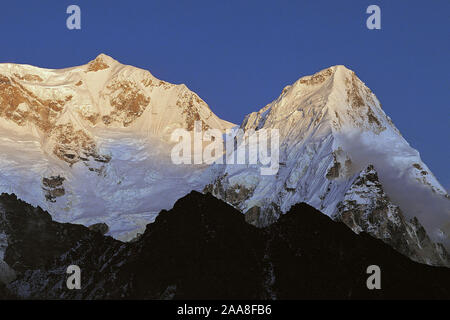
(203, 249)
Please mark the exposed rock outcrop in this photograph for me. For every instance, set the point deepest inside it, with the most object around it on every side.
(367, 208)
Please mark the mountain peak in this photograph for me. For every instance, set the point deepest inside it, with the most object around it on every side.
(324, 74)
(104, 56)
(101, 62)
(330, 127)
(333, 97)
(341, 68)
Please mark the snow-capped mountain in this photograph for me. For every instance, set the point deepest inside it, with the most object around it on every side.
(340, 153)
(91, 144)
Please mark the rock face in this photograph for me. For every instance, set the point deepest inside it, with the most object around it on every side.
(99, 227)
(53, 188)
(331, 129)
(203, 248)
(367, 208)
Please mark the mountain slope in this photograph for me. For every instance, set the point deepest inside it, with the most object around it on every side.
(203, 248)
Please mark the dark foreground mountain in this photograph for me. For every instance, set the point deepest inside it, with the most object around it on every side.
(203, 249)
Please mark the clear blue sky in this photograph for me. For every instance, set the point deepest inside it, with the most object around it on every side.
(238, 55)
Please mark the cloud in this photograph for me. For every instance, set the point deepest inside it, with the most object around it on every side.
(393, 159)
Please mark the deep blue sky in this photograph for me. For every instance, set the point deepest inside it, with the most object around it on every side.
(238, 55)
